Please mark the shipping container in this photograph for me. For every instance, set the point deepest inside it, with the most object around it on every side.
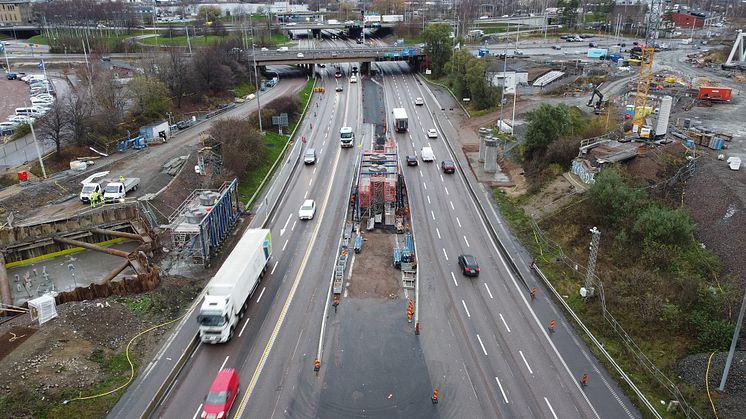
(714, 93)
(597, 52)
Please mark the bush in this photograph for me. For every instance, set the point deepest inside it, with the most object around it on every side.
(657, 226)
(612, 200)
(21, 131)
(242, 146)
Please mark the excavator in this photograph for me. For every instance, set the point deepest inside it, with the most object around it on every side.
(596, 106)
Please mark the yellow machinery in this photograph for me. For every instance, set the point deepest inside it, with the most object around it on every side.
(643, 84)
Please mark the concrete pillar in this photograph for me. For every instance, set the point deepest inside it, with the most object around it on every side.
(483, 132)
(5, 296)
(490, 155)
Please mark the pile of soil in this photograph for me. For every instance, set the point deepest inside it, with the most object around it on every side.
(373, 273)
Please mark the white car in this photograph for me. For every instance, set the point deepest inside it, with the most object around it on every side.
(353, 79)
(307, 210)
(300, 55)
(8, 125)
(265, 49)
(432, 133)
(282, 49)
(419, 101)
(20, 119)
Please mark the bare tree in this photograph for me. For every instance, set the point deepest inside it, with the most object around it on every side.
(111, 99)
(53, 126)
(79, 110)
(174, 72)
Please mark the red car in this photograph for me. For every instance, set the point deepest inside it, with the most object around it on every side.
(448, 166)
(223, 392)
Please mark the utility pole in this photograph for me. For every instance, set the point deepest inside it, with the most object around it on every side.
(256, 77)
(733, 344)
(588, 291)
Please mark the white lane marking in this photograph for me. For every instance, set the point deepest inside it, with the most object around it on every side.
(526, 362)
(504, 322)
(549, 405)
(437, 231)
(488, 290)
(444, 253)
(275, 266)
(306, 195)
(283, 246)
(467, 241)
(446, 190)
(441, 178)
(244, 327)
(481, 344)
(199, 409)
(425, 185)
(293, 226)
(469, 316)
(421, 175)
(314, 171)
(323, 143)
(502, 391)
(428, 199)
(282, 230)
(309, 181)
(224, 362)
(457, 220)
(454, 279)
(260, 294)
(433, 214)
(454, 208)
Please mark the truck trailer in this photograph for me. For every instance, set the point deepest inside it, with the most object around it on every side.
(156, 132)
(401, 122)
(227, 294)
(714, 93)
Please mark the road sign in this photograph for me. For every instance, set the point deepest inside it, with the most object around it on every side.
(281, 121)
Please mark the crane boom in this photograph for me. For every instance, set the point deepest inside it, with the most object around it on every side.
(643, 85)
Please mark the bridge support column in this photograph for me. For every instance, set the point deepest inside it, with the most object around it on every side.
(365, 68)
(316, 33)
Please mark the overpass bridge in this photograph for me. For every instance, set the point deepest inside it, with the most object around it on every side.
(333, 55)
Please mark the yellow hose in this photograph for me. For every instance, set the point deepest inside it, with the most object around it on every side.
(132, 366)
(707, 385)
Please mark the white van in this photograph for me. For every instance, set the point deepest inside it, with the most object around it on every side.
(28, 112)
(427, 154)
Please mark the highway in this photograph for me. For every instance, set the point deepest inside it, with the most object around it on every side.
(484, 342)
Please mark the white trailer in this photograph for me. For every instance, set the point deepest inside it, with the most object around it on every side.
(401, 121)
(227, 294)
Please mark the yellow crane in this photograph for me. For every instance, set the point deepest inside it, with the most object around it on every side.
(643, 85)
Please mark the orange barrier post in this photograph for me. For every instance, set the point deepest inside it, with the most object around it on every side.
(584, 380)
(551, 326)
(435, 396)
(533, 293)
(316, 365)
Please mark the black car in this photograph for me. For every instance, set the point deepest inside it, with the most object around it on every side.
(448, 166)
(338, 74)
(354, 69)
(338, 88)
(412, 161)
(184, 124)
(469, 265)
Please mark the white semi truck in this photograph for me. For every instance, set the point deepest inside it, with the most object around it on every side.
(227, 294)
(401, 122)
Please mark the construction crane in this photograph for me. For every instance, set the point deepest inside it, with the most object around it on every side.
(646, 69)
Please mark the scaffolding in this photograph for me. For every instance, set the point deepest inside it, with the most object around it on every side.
(203, 221)
(378, 193)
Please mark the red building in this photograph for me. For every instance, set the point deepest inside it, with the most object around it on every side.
(682, 20)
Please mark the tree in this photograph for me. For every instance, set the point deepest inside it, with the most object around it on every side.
(546, 124)
(612, 199)
(345, 9)
(111, 99)
(53, 126)
(210, 73)
(438, 46)
(242, 146)
(388, 7)
(150, 96)
(483, 95)
(79, 109)
(569, 11)
(208, 14)
(175, 74)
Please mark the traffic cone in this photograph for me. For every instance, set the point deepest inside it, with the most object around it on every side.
(316, 365)
(584, 380)
(551, 326)
(435, 396)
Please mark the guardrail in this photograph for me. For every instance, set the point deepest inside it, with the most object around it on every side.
(514, 267)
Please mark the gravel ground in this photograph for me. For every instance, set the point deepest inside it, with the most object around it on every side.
(373, 274)
(729, 404)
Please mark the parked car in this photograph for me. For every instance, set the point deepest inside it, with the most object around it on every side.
(307, 210)
(412, 160)
(469, 265)
(448, 166)
(222, 394)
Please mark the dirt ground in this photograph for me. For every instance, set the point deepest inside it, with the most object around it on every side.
(15, 92)
(73, 354)
(373, 274)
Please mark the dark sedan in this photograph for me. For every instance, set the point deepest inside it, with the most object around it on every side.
(412, 161)
(448, 166)
(469, 265)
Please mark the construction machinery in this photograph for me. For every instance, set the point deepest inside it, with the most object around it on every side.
(646, 53)
(596, 106)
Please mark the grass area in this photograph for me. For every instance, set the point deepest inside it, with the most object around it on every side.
(39, 39)
(115, 366)
(663, 351)
(139, 304)
(199, 40)
(275, 142)
(279, 38)
(244, 89)
(251, 180)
